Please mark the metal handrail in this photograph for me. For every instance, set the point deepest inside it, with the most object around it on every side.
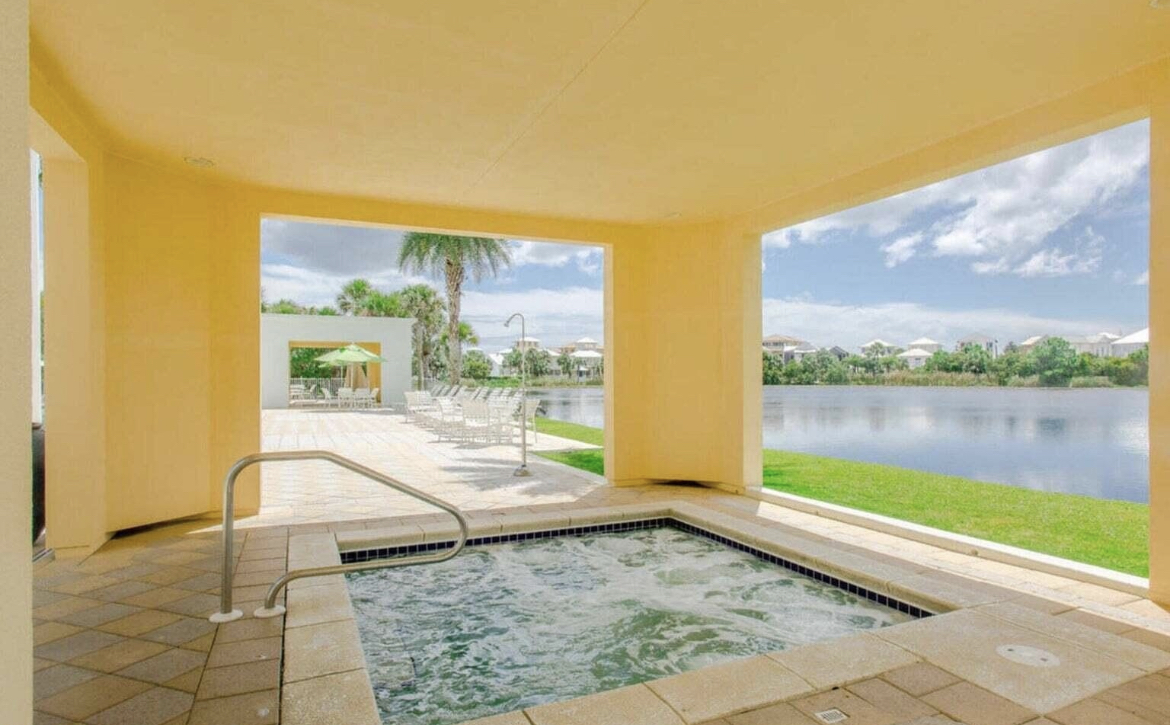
(270, 609)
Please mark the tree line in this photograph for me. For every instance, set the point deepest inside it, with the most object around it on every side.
(1051, 363)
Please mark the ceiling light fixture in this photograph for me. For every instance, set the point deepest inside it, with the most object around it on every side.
(1160, 4)
(672, 215)
(199, 161)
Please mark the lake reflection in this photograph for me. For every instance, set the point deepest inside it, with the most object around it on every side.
(1088, 441)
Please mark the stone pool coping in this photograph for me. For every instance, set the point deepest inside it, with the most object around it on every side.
(325, 678)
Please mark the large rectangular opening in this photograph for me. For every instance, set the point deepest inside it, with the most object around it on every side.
(973, 355)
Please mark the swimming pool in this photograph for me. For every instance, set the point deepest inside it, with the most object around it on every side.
(511, 625)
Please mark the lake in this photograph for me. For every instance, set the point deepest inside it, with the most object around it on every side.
(1088, 441)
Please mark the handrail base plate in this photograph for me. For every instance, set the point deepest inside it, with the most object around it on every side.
(221, 617)
(266, 613)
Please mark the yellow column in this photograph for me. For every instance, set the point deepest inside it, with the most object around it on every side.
(1160, 341)
(74, 362)
(682, 358)
(16, 362)
(235, 351)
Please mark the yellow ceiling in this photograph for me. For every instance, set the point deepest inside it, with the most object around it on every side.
(624, 110)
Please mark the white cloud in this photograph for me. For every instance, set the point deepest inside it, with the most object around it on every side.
(902, 249)
(1001, 217)
(827, 323)
(586, 258)
(1055, 262)
(315, 288)
(1143, 278)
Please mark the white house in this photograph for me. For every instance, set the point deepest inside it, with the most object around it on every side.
(877, 345)
(1100, 344)
(525, 344)
(1131, 343)
(915, 357)
(800, 352)
(587, 363)
(990, 344)
(779, 343)
(1031, 342)
(924, 343)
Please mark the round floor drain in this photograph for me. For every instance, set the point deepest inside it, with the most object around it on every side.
(1022, 654)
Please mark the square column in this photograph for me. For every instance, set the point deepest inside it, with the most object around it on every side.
(1160, 341)
(683, 363)
(16, 690)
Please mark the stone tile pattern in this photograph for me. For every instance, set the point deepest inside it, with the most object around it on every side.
(123, 636)
(921, 694)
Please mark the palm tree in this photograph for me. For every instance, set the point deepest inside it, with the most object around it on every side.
(453, 258)
(354, 296)
(420, 302)
(380, 304)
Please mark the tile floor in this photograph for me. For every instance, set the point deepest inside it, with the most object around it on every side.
(121, 637)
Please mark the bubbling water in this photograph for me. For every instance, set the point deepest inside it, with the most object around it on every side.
(509, 626)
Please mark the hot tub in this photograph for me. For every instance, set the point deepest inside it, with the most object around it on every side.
(540, 617)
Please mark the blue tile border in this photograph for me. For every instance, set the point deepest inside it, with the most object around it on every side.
(386, 552)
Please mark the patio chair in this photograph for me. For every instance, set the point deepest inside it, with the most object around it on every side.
(362, 398)
(297, 395)
(345, 398)
(477, 421)
(327, 399)
(418, 405)
(448, 420)
(504, 413)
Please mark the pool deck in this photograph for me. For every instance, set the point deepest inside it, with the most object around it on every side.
(122, 637)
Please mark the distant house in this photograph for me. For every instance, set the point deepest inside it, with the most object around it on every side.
(838, 352)
(1131, 343)
(585, 343)
(525, 344)
(915, 357)
(924, 343)
(990, 344)
(798, 353)
(876, 346)
(1029, 344)
(587, 363)
(777, 343)
(1100, 344)
(496, 359)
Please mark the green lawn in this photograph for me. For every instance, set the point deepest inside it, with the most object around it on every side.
(1111, 534)
(572, 431)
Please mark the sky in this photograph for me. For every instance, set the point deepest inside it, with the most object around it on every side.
(1055, 242)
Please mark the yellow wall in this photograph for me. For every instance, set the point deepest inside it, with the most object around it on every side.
(1159, 347)
(16, 362)
(74, 360)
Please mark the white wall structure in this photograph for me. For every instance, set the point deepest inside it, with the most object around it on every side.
(278, 332)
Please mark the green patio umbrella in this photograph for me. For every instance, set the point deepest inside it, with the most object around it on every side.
(350, 354)
(353, 356)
